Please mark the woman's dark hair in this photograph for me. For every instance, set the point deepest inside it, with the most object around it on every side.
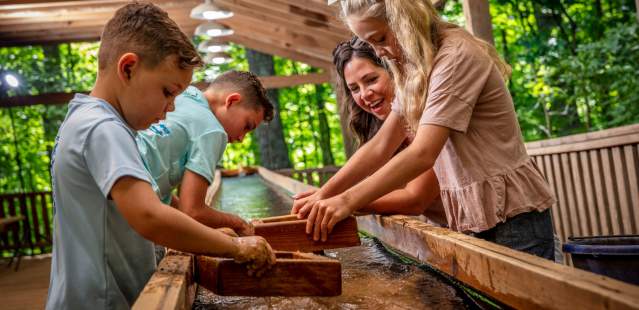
(363, 124)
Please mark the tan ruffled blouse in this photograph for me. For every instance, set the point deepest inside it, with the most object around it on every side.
(484, 172)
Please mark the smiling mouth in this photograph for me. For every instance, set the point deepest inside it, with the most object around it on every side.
(376, 105)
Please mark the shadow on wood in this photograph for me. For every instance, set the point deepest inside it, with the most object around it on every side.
(287, 233)
(294, 274)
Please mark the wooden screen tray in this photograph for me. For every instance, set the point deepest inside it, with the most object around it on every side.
(288, 233)
(294, 274)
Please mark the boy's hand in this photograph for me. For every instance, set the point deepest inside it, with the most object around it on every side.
(228, 231)
(256, 252)
(247, 229)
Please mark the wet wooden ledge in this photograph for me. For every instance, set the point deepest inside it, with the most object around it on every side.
(517, 279)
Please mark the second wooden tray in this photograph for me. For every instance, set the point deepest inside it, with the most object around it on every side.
(294, 274)
(287, 233)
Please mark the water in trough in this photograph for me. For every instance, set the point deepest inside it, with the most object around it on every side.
(372, 277)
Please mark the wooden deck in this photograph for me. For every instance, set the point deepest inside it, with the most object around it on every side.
(27, 287)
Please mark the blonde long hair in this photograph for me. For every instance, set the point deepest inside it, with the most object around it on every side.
(417, 28)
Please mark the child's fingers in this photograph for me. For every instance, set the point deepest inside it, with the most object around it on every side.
(311, 220)
(318, 223)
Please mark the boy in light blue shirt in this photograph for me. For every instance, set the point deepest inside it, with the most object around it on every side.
(184, 149)
(106, 215)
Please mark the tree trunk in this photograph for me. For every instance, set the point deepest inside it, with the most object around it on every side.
(325, 130)
(273, 151)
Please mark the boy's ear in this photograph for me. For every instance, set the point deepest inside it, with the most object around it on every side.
(127, 66)
(232, 99)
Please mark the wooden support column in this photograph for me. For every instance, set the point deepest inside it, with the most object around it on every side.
(478, 21)
(637, 7)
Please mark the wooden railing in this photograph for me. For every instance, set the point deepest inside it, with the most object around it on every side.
(595, 177)
(33, 234)
(312, 176)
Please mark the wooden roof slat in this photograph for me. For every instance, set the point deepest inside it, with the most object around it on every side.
(269, 82)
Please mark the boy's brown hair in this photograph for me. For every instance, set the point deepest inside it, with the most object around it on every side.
(249, 86)
(146, 30)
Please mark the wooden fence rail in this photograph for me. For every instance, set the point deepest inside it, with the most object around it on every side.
(595, 177)
(34, 232)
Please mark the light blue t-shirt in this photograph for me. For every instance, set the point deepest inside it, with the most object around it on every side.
(99, 261)
(191, 138)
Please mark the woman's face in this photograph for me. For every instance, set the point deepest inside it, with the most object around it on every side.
(370, 86)
(376, 33)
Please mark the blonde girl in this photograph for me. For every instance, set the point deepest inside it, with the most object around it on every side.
(451, 93)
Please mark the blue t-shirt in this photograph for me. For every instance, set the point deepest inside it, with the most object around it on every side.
(191, 138)
(99, 261)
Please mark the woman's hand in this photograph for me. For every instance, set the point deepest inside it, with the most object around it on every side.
(324, 214)
(304, 201)
(256, 252)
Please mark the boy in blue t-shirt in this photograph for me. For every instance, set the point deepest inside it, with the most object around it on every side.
(106, 215)
(184, 149)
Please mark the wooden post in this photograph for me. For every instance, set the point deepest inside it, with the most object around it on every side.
(478, 21)
(637, 7)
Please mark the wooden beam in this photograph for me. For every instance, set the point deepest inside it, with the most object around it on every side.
(171, 286)
(478, 20)
(294, 80)
(586, 141)
(63, 98)
(514, 278)
(637, 8)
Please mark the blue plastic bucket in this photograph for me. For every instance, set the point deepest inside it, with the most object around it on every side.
(613, 256)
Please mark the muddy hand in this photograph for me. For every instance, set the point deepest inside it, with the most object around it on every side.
(256, 252)
(227, 231)
(247, 229)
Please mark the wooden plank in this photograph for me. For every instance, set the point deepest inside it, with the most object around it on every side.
(294, 274)
(45, 215)
(621, 180)
(285, 183)
(580, 203)
(478, 20)
(611, 202)
(34, 218)
(600, 194)
(632, 162)
(288, 233)
(498, 271)
(171, 286)
(556, 215)
(570, 207)
(561, 197)
(589, 191)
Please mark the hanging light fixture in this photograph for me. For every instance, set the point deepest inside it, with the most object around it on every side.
(217, 58)
(209, 11)
(213, 46)
(212, 29)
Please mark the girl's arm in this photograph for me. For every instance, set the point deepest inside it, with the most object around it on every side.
(413, 199)
(418, 157)
(366, 160)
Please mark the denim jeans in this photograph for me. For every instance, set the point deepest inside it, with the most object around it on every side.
(530, 232)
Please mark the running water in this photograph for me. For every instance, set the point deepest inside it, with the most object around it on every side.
(372, 278)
